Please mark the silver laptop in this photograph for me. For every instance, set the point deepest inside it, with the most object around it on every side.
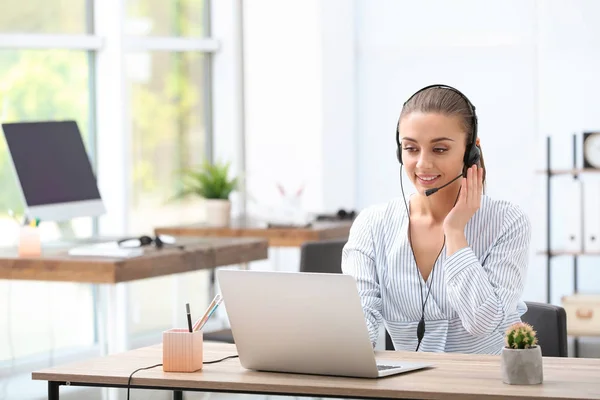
(310, 323)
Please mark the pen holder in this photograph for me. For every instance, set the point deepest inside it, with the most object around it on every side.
(30, 244)
(182, 350)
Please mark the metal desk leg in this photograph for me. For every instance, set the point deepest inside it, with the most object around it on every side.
(53, 390)
(177, 395)
(113, 324)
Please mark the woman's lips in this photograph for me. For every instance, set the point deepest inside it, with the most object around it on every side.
(428, 180)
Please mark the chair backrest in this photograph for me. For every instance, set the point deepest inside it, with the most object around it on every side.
(322, 256)
(550, 323)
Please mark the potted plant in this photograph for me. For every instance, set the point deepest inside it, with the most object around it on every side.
(212, 182)
(522, 356)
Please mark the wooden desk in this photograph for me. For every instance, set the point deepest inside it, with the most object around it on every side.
(282, 237)
(55, 264)
(455, 376)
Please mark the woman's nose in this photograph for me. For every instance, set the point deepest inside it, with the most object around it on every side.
(424, 160)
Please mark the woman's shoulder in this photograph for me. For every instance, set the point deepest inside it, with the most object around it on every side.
(505, 214)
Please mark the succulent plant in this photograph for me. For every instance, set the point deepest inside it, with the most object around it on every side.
(521, 336)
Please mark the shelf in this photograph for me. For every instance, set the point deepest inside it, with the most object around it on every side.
(555, 253)
(571, 171)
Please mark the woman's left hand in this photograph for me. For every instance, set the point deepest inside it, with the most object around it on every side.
(468, 202)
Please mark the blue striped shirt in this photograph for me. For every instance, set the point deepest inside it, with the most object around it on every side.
(476, 292)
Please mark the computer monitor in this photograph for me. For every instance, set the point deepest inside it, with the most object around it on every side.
(53, 169)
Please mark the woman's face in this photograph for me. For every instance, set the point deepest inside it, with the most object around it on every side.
(433, 147)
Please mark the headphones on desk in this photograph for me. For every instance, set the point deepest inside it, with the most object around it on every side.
(472, 152)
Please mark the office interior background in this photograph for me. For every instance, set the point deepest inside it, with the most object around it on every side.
(299, 93)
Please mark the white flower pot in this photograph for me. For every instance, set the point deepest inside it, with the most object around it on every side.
(218, 212)
(522, 366)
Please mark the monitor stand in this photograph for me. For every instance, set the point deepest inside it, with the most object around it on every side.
(66, 230)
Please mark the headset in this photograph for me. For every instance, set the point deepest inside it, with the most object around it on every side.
(472, 153)
(471, 157)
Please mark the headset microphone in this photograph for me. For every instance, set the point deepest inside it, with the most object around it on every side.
(429, 192)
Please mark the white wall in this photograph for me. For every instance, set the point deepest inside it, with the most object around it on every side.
(327, 76)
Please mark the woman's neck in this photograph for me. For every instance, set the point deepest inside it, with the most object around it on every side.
(436, 207)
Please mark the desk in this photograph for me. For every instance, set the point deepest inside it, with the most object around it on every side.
(277, 237)
(456, 376)
(56, 265)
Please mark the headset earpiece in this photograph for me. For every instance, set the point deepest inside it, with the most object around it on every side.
(398, 145)
(473, 157)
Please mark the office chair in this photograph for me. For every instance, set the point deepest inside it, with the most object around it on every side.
(550, 323)
(319, 256)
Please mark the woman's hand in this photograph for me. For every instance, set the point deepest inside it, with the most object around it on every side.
(467, 204)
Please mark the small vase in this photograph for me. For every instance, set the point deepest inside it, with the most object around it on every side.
(522, 366)
(218, 212)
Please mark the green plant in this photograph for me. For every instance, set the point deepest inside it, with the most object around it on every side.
(521, 336)
(210, 181)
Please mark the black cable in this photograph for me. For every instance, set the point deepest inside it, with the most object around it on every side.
(139, 369)
(159, 365)
(221, 359)
(421, 326)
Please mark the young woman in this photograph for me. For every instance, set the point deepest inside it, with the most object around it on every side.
(445, 270)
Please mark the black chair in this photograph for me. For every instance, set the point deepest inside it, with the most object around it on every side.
(319, 256)
(550, 323)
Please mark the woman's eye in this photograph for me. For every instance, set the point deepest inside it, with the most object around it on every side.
(439, 150)
(409, 148)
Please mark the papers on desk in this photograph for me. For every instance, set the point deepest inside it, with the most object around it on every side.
(106, 249)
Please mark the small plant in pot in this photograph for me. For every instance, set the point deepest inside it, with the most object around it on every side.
(212, 182)
(522, 356)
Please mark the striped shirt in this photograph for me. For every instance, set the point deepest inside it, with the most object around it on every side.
(475, 293)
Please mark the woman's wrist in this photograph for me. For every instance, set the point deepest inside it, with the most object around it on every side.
(455, 240)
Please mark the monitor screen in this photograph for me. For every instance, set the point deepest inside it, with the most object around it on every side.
(51, 162)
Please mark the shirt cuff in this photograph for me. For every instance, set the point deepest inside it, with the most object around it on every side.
(459, 262)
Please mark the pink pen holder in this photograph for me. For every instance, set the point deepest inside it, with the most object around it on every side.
(182, 350)
(30, 244)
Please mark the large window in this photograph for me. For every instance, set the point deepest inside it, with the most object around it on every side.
(57, 61)
(169, 89)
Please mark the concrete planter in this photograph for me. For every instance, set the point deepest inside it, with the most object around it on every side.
(218, 212)
(522, 366)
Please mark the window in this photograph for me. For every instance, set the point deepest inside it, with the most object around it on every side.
(44, 16)
(167, 18)
(169, 93)
(169, 130)
(40, 85)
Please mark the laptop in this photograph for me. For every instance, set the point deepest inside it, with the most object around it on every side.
(307, 323)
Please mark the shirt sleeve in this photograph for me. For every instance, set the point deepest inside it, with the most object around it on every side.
(485, 294)
(358, 260)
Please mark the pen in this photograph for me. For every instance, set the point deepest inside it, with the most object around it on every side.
(189, 317)
(211, 313)
(207, 313)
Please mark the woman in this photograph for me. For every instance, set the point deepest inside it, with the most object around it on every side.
(444, 271)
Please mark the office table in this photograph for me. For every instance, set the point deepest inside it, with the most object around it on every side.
(112, 273)
(455, 376)
(277, 237)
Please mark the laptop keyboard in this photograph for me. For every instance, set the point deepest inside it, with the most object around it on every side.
(381, 367)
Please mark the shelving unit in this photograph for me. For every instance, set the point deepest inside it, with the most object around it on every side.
(549, 172)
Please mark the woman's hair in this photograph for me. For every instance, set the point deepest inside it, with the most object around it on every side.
(447, 102)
